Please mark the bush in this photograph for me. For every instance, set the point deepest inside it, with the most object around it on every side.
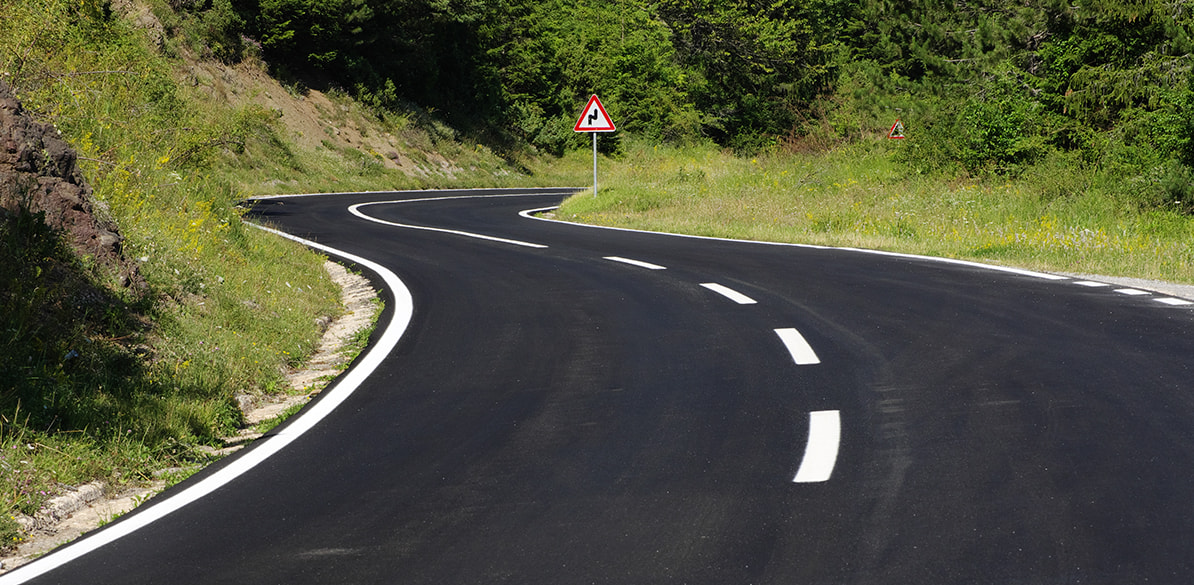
(989, 128)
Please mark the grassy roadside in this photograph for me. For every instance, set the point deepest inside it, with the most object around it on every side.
(137, 382)
(131, 382)
(118, 388)
(1054, 216)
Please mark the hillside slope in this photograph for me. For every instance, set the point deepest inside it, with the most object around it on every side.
(140, 312)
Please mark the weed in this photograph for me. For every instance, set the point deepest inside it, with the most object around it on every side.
(101, 382)
(11, 534)
(269, 425)
(1054, 215)
(360, 339)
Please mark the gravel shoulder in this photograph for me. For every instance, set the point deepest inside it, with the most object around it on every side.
(90, 506)
(69, 516)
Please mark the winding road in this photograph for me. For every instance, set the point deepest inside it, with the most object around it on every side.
(554, 404)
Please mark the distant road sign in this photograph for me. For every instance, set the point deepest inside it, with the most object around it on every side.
(897, 130)
(594, 118)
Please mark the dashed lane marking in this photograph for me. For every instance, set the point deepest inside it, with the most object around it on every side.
(356, 210)
(802, 352)
(639, 263)
(1132, 292)
(820, 455)
(729, 293)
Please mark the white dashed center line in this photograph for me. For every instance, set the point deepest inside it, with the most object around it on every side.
(638, 263)
(824, 426)
(729, 293)
(802, 352)
(820, 455)
(356, 210)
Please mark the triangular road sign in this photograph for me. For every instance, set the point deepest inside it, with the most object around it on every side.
(594, 118)
(897, 130)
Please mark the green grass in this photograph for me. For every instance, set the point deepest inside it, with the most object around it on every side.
(269, 425)
(275, 165)
(127, 383)
(100, 382)
(1055, 216)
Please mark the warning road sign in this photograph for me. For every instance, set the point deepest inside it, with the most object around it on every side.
(594, 118)
(897, 131)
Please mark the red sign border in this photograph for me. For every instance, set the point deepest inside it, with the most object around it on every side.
(585, 111)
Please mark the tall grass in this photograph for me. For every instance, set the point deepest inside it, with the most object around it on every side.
(1057, 215)
(124, 383)
(129, 383)
(101, 382)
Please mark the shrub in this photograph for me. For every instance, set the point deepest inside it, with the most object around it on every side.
(989, 128)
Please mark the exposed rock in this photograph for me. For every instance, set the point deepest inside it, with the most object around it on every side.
(39, 172)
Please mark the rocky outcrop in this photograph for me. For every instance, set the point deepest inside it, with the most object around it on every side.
(39, 172)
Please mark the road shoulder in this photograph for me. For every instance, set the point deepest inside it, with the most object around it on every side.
(90, 506)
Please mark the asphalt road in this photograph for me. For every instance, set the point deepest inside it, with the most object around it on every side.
(576, 405)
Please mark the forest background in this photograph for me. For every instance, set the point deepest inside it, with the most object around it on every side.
(1048, 134)
(988, 86)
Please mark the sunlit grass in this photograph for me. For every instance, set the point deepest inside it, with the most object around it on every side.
(857, 197)
(134, 390)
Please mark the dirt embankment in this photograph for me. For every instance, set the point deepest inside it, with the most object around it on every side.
(73, 514)
(40, 176)
(39, 173)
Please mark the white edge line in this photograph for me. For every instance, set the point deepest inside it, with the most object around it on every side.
(820, 454)
(729, 293)
(632, 262)
(1175, 302)
(531, 191)
(263, 449)
(355, 210)
(802, 353)
(529, 214)
(1133, 292)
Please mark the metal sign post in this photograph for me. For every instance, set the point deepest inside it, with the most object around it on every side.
(593, 119)
(594, 163)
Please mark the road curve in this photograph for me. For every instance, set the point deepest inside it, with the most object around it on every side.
(579, 405)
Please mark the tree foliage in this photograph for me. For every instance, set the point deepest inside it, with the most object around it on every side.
(733, 70)
(752, 64)
(983, 86)
(993, 86)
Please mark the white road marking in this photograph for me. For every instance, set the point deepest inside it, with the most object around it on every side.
(356, 210)
(1135, 292)
(522, 192)
(729, 293)
(820, 455)
(530, 214)
(802, 352)
(638, 263)
(263, 448)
